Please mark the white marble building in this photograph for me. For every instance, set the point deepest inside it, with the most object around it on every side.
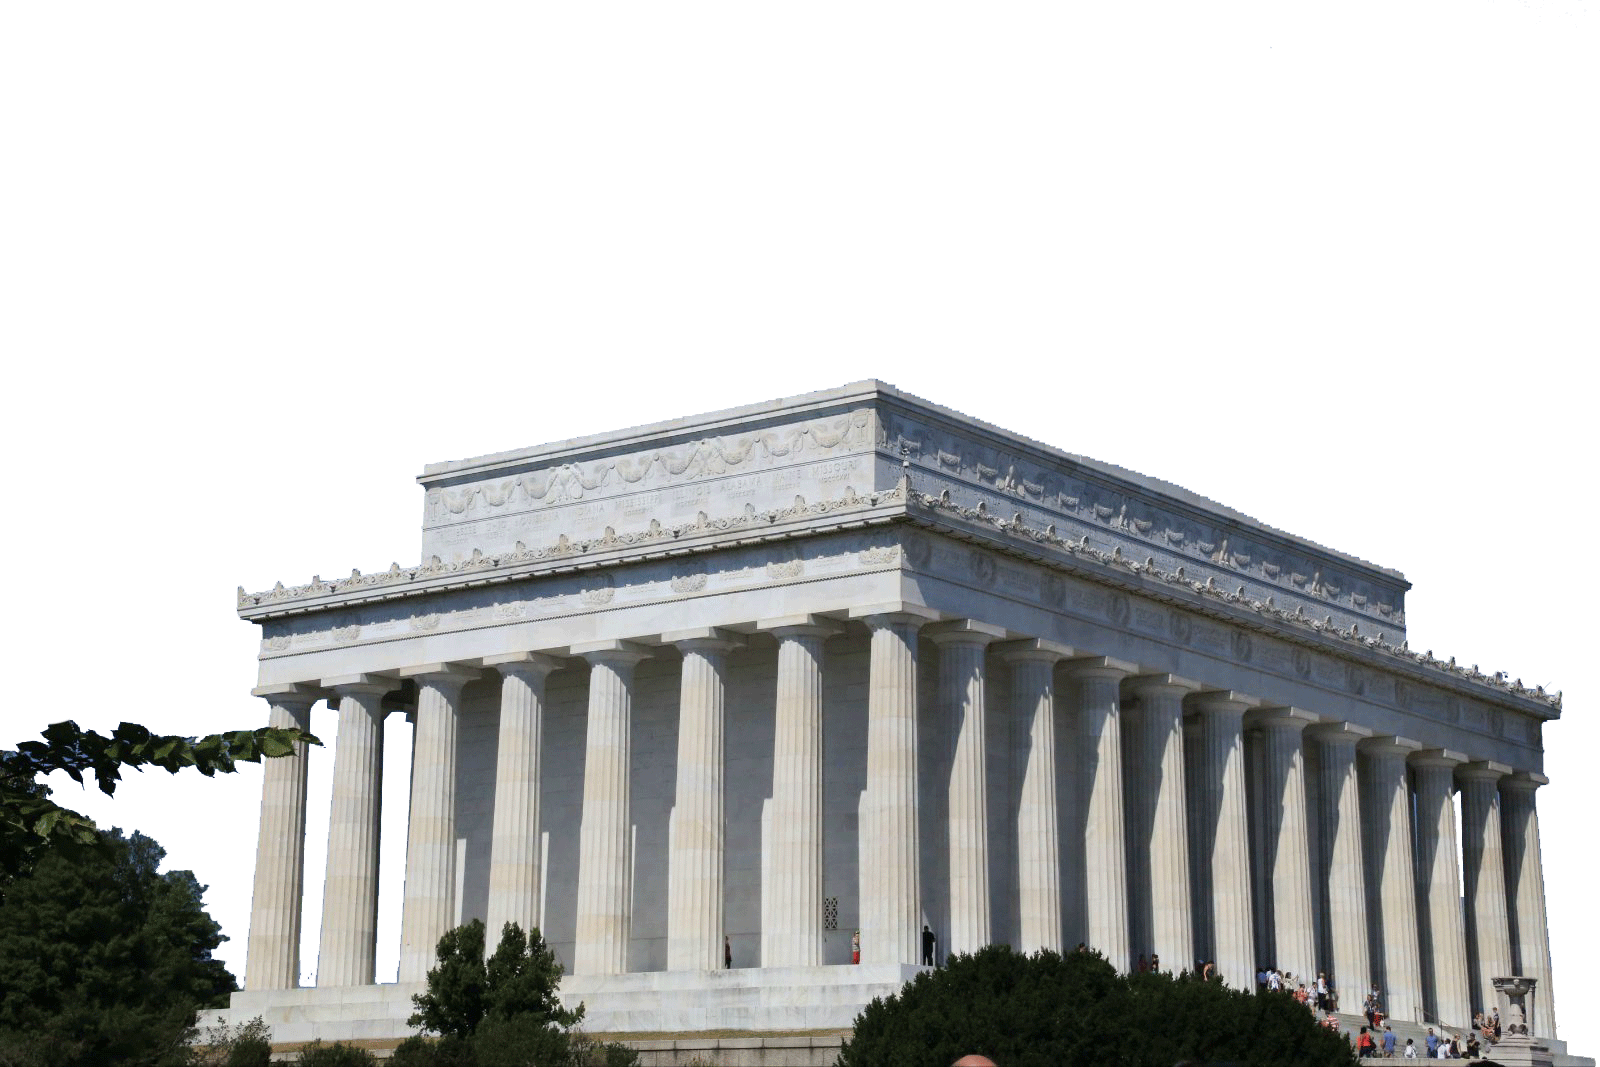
(855, 661)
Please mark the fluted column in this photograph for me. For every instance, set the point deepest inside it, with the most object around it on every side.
(1038, 835)
(791, 919)
(430, 892)
(1097, 690)
(273, 960)
(1444, 946)
(890, 894)
(1393, 873)
(1530, 934)
(1286, 833)
(1342, 871)
(605, 869)
(695, 865)
(1158, 857)
(1483, 879)
(963, 646)
(1224, 834)
(347, 954)
(515, 877)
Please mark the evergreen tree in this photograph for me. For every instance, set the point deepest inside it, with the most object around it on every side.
(518, 982)
(104, 960)
(1048, 1010)
(499, 1012)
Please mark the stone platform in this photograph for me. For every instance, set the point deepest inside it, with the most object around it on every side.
(662, 1004)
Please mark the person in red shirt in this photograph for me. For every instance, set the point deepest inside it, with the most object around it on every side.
(1364, 1046)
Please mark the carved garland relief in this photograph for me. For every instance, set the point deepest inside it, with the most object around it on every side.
(705, 458)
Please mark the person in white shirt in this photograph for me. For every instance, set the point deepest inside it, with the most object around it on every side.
(1411, 1049)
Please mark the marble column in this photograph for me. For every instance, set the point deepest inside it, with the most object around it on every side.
(1444, 946)
(515, 876)
(1033, 666)
(430, 889)
(695, 863)
(1097, 699)
(605, 871)
(1224, 833)
(1483, 879)
(1158, 857)
(791, 926)
(890, 894)
(1341, 874)
(1392, 872)
(963, 647)
(1285, 829)
(347, 954)
(273, 960)
(1530, 934)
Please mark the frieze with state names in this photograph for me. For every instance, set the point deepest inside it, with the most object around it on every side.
(566, 594)
(1083, 597)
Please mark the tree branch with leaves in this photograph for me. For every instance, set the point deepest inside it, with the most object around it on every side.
(31, 822)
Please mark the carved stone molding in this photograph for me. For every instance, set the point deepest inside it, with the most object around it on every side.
(693, 460)
(1093, 501)
(1150, 571)
(565, 548)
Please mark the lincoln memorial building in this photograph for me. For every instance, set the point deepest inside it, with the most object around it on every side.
(849, 664)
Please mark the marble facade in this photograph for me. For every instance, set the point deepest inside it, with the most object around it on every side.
(852, 661)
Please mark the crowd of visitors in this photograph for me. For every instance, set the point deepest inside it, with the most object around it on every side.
(1377, 1038)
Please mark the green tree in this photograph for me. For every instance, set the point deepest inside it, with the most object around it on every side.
(31, 822)
(104, 960)
(502, 1011)
(1048, 1010)
(518, 981)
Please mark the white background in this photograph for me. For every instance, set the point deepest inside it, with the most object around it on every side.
(1334, 265)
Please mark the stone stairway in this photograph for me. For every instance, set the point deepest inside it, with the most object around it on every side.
(1351, 1024)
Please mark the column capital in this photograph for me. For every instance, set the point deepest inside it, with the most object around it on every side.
(354, 684)
(293, 694)
(703, 638)
(1483, 770)
(626, 653)
(1142, 684)
(1523, 781)
(529, 663)
(1033, 649)
(1101, 667)
(963, 632)
(1389, 745)
(441, 674)
(800, 626)
(1280, 718)
(1218, 701)
(1438, 757)
(1338, 733)
(895, 612)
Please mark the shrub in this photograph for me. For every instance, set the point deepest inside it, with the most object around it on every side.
(337, 1054)
(1047, 1010)
(249, 1044)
